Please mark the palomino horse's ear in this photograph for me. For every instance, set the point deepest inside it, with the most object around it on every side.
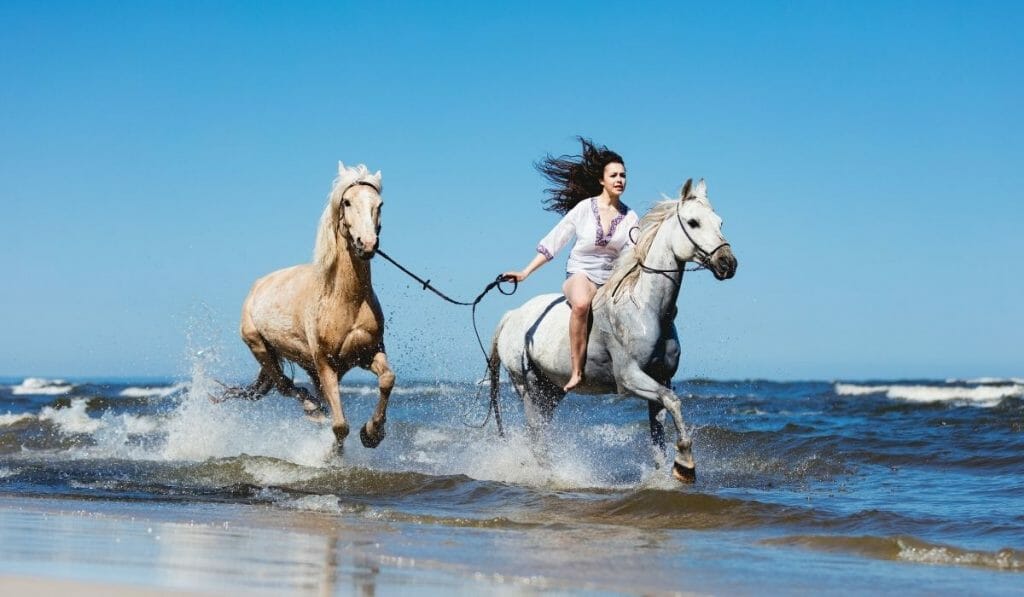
(376, 178)
(701, 190)
(685, 191)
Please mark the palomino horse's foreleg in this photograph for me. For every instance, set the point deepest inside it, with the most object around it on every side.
(328, 377)
(373, 432)
(639, 383)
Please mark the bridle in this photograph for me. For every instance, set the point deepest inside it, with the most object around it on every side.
(702, 255)
(356, 184)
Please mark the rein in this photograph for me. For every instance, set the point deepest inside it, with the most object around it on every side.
(495, 284)
(427, 286)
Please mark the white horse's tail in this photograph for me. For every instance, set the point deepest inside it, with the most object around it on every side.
(494, 371)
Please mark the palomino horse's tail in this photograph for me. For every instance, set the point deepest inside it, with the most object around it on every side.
(494, 370)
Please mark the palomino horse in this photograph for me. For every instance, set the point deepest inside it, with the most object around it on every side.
(633, 347)
(324, 316)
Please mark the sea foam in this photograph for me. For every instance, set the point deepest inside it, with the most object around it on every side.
(151, 392)
(10, 419)
(931, 554)
(197, 429)
(38, 385)
(73, 419)
(982, 395)
(849, 389)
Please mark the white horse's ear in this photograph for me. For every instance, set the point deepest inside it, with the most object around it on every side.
(341, 167)
(685, 191)
(701, 190)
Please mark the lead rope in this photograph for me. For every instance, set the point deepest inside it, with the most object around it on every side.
(495, 284)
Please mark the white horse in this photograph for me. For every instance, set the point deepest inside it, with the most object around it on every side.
(633, 346)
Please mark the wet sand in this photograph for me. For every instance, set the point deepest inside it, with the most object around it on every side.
(104, 547)
(47, 587)
(51, 546)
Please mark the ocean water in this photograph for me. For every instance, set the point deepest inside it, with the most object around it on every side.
(846, 486)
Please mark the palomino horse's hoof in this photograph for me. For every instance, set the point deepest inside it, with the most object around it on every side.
(684, 474)
(371, 441)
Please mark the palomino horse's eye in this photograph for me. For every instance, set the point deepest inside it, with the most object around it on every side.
(346, 203)
(693, 223)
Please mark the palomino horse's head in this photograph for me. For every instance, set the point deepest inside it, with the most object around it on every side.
(351, 219)
(698, 236)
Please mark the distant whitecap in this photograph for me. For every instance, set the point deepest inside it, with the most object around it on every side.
(39, 385)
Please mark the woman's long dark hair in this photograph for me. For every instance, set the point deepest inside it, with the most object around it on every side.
(575, 177)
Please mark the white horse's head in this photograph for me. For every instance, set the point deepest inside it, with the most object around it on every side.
(687, 228)
(696, 234)
(351, 219)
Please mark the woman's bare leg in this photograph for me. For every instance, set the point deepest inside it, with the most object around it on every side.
(579, 291)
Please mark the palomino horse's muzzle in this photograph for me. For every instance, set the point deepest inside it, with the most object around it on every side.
(365, 250)
(723, 263)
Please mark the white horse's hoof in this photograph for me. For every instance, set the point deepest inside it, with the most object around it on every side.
(684, 474)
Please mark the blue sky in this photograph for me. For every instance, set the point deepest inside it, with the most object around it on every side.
(156, 158)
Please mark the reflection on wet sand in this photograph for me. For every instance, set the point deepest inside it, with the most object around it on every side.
(193, 547)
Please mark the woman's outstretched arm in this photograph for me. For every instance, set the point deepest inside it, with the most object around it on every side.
(538, 260)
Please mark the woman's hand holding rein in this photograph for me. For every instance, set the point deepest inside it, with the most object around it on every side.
(519, 276)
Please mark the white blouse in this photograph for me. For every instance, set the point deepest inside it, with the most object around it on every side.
(595, 250)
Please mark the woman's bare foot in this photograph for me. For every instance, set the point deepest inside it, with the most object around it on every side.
(574, 381)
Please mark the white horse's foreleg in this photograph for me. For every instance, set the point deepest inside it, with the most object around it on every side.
(373, 432)
(654, 411)
(329, 385)
(635, 381)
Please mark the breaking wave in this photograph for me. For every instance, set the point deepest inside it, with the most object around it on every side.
(908, 549)
(981, 395)
(152, 392)
(41, 386)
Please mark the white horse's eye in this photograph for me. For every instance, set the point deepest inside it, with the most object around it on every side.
(693, 223)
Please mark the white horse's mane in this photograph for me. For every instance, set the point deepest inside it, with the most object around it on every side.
(325, 252)
(625, 274)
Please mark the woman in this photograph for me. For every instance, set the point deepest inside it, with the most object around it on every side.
(587, 191)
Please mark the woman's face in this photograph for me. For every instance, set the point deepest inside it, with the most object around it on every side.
(614, 179)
